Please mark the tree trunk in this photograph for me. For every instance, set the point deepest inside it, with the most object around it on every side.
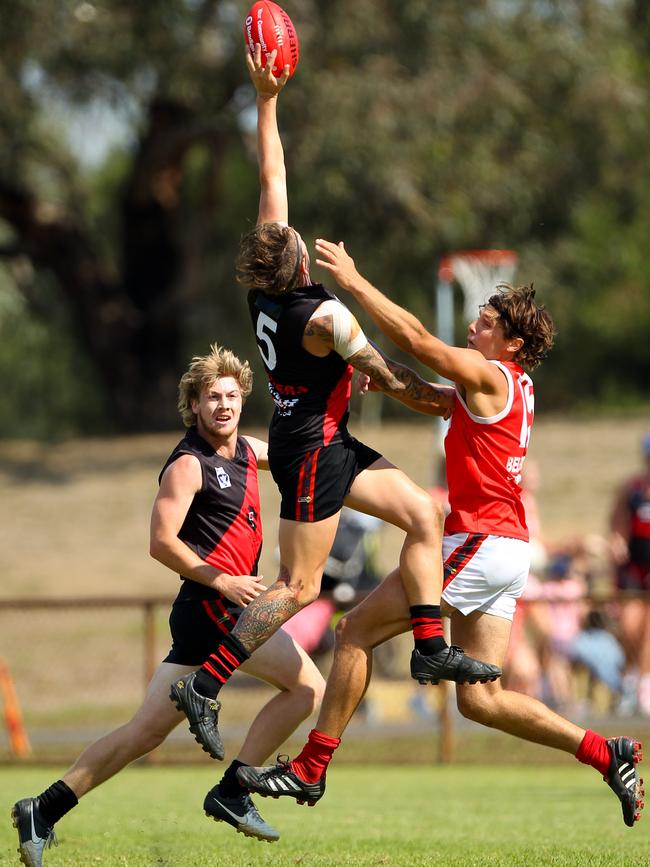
(131, 327)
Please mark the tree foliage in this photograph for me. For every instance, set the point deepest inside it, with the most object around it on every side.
(411, 128)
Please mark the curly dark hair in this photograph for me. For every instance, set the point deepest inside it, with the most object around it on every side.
(521, 316)
(269, 258)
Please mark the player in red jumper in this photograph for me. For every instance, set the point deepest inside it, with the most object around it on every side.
(485, 546)
(310, 343)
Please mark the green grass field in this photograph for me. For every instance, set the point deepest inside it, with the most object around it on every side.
(371, 815)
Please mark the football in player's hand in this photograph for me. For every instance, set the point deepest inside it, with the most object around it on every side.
(271, 27)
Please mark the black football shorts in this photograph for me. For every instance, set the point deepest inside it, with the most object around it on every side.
(314, 485)
(197, 627)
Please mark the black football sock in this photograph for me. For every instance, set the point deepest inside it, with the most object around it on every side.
(219, 666)
(229, 786)
(55, 802)
(426, 623)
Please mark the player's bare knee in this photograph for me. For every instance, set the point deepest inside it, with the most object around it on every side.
(300, 590)
(310, 693)
(305, 595)
(351, 630)
(426, 517)
(318, 691)
(144, 738)
(345, 630)
(315, 692)
(476, 704)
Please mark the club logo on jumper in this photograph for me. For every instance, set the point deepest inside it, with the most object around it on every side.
(283, 405)
(251, 517)
(304, 499)
(222, 477)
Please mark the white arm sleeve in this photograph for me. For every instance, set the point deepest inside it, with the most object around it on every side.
(347, 333)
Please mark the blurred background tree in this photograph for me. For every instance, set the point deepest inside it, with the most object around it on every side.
(412, 128)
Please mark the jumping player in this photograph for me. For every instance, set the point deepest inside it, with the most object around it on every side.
(310, 343)
(206, 527)
(485, 547)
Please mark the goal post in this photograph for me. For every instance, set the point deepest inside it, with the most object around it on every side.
(477, 272)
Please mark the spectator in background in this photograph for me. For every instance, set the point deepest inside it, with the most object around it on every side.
(555, 628)
(530, 478)
(524, 665)
(578, 633)
(630, 548)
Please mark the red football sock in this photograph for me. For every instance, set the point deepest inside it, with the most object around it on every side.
(426, 624)
(594, 751)
(312, 762)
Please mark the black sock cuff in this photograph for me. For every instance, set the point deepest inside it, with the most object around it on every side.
(233, 767)
(424, 611)
(229, 786)
(56, 801)
(234, 645)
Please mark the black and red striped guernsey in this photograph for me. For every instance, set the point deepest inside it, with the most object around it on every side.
(223, 524)
(311, 394)
(638, 507)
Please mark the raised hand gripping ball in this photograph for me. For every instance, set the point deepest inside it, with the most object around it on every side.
(271, 27)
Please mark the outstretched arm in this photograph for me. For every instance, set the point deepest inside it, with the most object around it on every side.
(274, 204)
(415, 392)
(464, 366)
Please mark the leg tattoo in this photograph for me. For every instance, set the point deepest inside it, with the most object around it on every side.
(266, 614)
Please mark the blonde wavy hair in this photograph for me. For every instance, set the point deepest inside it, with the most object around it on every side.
(203, 371)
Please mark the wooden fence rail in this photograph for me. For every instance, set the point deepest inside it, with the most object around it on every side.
(150, 604)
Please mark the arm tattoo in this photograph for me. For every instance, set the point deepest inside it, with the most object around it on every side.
(391, 377)
(322, 328)
(395, 379)
(417, 389)
(370, 361)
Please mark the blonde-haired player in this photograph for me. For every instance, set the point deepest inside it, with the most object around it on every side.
(206, 527)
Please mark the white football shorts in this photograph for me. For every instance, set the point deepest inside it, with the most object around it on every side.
(484, 573)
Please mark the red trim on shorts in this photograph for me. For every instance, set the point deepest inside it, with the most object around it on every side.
(220, 621)
(306, 487)
(224, 611)
(301, 478)
(460, 557)
(312, 485)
